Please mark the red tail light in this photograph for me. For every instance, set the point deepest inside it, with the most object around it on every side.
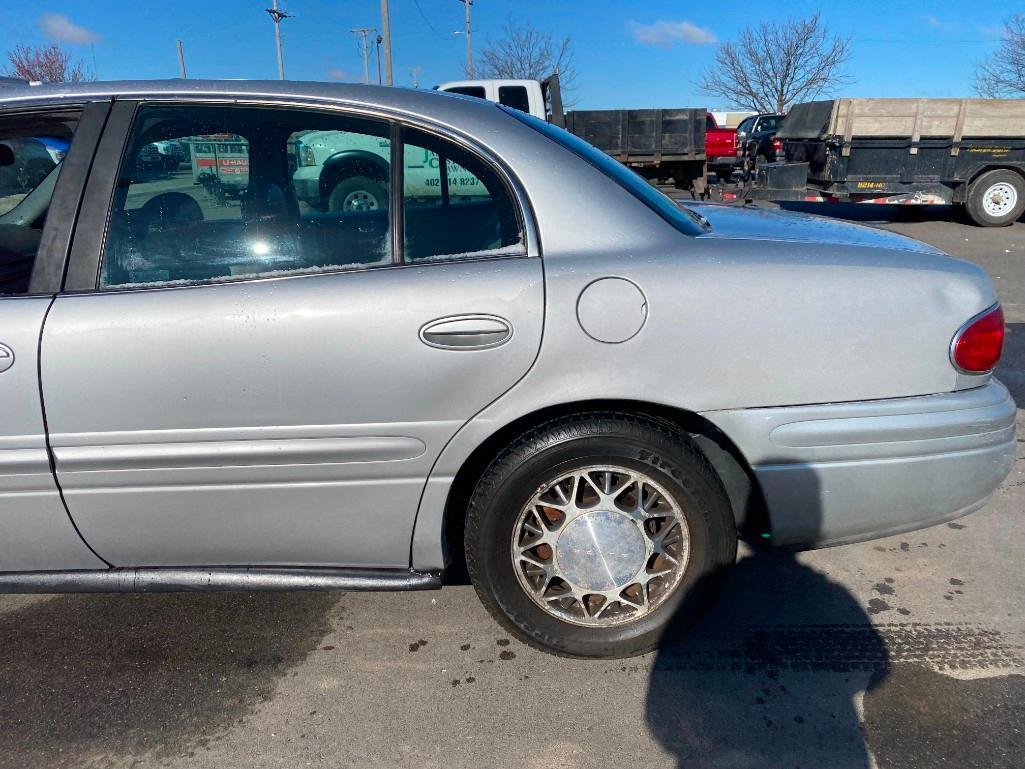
(977, 346)
(777, 144)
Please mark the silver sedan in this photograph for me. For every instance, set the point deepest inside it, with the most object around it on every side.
(472, 338)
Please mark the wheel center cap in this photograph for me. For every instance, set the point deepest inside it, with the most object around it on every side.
(600, 550)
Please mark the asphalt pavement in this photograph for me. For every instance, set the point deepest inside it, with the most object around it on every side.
(905, 652)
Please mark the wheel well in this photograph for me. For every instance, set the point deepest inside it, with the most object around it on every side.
(350, 166)
(988, 168)
(738, 479)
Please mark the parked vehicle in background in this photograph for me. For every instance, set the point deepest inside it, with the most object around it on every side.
(341, 172)
(535, 97)
(220, 163)
(757, 140)
(964, 152)
(581, 389)
(161, 156)
(665, 146)
(171, 154)
(730, 118)
(720, 148)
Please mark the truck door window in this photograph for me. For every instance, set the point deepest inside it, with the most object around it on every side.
(31, 151)
(454, 204)
(514, 96)
(467, 90)
(210, 193)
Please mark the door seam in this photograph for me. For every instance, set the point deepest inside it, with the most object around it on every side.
(46, 434)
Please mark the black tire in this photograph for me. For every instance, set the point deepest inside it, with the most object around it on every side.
(658, 449)
(373, 194)
(984, 187)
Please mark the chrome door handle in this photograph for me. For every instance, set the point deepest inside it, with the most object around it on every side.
(466, 332)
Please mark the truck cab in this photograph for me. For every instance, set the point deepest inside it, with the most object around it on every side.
(525, 95)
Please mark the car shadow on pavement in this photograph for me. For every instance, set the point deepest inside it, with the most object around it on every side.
(788, 669)
(771, 676)
(96, 679)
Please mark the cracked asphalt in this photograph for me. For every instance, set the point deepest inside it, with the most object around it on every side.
(904, 652)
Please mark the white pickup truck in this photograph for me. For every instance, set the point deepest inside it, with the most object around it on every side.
(340, 171)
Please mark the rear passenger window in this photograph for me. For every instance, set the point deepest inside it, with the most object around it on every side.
(514, 96)
(455, 206)
(208, 194)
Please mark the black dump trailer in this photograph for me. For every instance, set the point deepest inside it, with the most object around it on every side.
(665, 146)
(968, 152)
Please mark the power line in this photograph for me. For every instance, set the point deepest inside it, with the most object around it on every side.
(428, 22)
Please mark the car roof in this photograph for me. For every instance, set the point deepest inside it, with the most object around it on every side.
(445, 108)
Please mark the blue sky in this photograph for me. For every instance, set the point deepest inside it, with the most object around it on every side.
(644, 53)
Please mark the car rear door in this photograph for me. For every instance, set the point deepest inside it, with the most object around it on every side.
(249, 382)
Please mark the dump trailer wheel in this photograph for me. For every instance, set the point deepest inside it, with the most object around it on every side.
(996, 199)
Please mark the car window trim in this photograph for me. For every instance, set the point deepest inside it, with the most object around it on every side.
(83, 272)
(396, 195)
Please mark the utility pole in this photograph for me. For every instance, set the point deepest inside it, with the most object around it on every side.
(277, 17)
(386, 33)
(181, 59)
(364, 48)
(469, 39)
(414, 75)
(379, 41)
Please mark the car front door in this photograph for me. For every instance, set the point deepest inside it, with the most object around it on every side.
(38, 199)
(232, 378)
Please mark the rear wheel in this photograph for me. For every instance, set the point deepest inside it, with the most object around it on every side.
(996, 199)
(591, 533)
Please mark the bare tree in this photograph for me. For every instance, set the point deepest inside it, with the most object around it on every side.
(775, 65)
(46, 63)
(1003, 73)
(525, 52)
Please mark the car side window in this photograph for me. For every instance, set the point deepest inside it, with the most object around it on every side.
(32, 149)
(745, 125)
(209, 194)
(455, 205)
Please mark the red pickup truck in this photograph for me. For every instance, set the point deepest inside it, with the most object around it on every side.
(720, 148)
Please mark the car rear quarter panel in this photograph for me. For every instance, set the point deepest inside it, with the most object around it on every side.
(730, 323)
